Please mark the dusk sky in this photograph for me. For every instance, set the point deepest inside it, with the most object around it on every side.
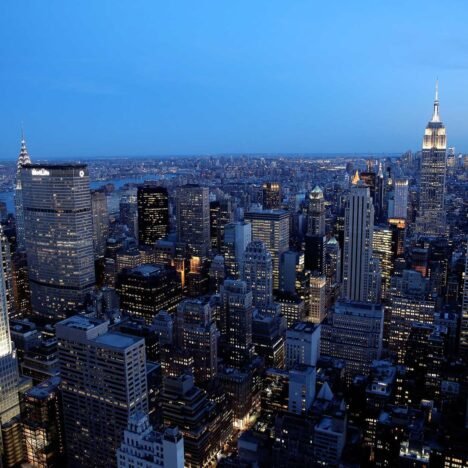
(101, 78)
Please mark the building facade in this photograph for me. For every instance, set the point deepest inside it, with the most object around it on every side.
(103, 383)
(59, 237)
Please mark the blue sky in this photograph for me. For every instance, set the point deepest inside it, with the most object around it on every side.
(107, 77)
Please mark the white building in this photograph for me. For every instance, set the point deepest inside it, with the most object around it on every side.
(302, 344)
(301, 388)
(359, 227)
(258, 273)
(143, 447)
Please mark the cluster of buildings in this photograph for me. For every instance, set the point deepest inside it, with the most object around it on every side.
(305, 313)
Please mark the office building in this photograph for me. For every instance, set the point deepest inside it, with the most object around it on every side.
(236, 238)
(291, 307)
(236, 320)
(315, 237)
(398, 228)
(147, 289)
(431, 216)
(164, 327)
(333, 261)
(301, 388)
(23, 159)
(100, 215)
(291, 267)
(382, 249)
(271, 196)
(103, 383)
(128, 211)
(272, 228)
(199, 420)
(153, 214)
(353, 332)
(268, 338)
(318, 298)
(220, 215)
(409, 302)
(143, 447)
(9, 376)
(359, 226)
(196, 333)
(20, 286)
(193, 219)
(302, 344)
(59, 237)
(400, 199)
(464, 314)
(258, 274)
(43, 433)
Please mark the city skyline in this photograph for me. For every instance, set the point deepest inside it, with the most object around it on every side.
(254, 79)
(278, 298)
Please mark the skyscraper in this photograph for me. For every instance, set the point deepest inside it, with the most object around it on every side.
(258, 274)
(41, 414)
(103, 383)
(272, 228)
(23, 159)
(59, 237)
(271, 196)
(193, 219)
(315, 237)
(100, 222)
(464, 315)
(400, 199)
(153, 214)
(354, 332)
(318, 298)
(359, 225)
(236, 238)
(9, 377)
(147, 289)
(431, 219)
(237, 309)
(382, 248)
(302, 344)
(197, 334)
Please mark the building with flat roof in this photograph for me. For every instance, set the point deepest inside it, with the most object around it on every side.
(58, 237)
(103, 383)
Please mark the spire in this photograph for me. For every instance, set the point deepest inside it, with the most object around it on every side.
(23, 157)
(316, 192)
(435, 115)
(356, 178)
(380, 173)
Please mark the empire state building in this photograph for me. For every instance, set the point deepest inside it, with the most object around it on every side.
(431, 220)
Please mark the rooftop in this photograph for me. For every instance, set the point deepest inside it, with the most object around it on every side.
(117, 340)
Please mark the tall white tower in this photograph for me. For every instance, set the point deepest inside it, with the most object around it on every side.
(359, 227)
(431, 219)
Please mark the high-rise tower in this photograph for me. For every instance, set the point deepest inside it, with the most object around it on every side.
(258, 273)
(315, 238)
(23, 159)
(153, 214)
(272, 228)
(359, 226)
(271, 196)
(59, 236)
(9, 377)
(193, 218)
(431, 220)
